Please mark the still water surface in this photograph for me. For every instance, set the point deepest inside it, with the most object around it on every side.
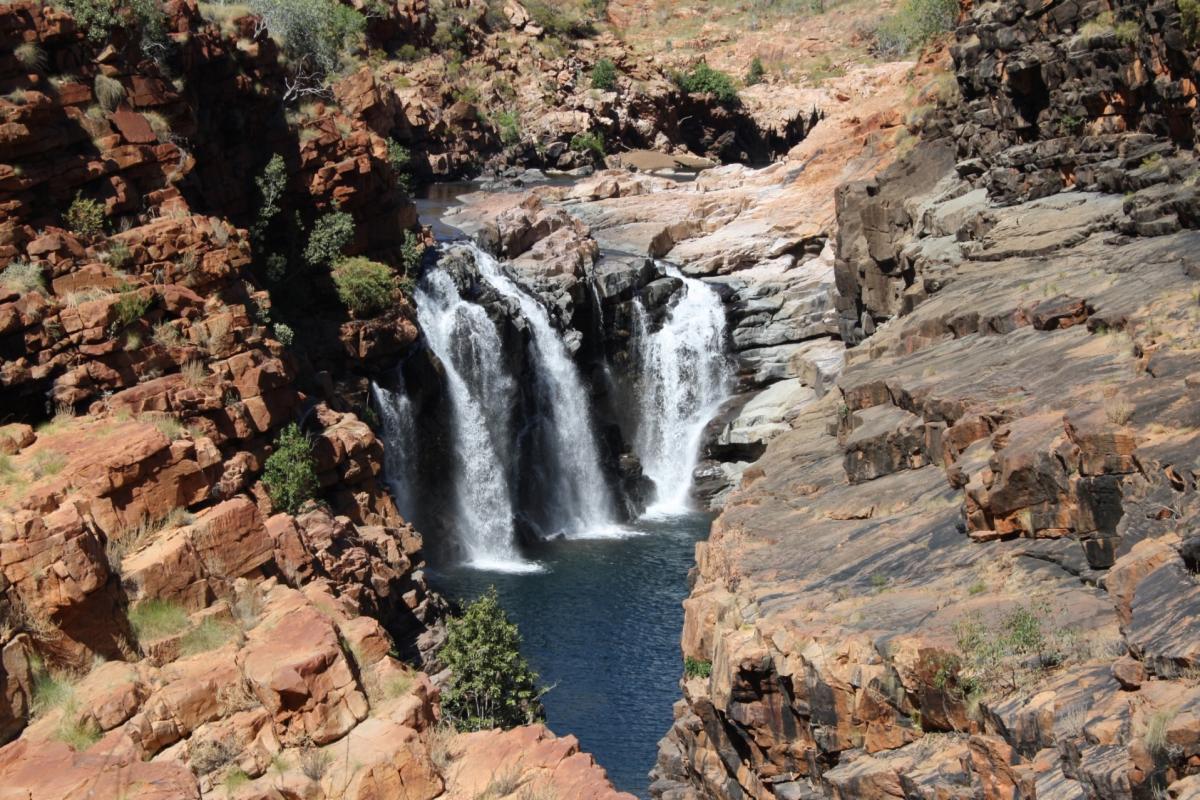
(601, 623)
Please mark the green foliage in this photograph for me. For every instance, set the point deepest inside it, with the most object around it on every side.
(365, 287)
(558, 20)
(997, 656)
(696, 668)
(915, 23)
(412, 250)
(94, 17)
(84, 217)
(491, 685)
(284, 333)
(129, 308)
(703, 79)
(315, 35)
(1189, 17)
(271, 183)
(604, 75)
(588, 142)
(756, 73)
(508, 123)
(409, 52)
(23, 277)
(328, 238)
(155, 619)
(98, 18)
(399, 156)
(290, 475)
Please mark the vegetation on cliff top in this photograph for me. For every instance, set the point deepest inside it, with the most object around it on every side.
(915, 23)
(364, 286)
(491, 684)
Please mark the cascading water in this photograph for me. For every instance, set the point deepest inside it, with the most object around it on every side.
(684, 378)
(400, 433)
(578, 492)
(465, 340)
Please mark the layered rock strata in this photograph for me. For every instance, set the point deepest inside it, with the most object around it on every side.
(967, 571)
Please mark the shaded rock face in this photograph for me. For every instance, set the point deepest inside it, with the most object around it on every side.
(1007, 461)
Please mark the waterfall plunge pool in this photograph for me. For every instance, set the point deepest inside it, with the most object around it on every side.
(599, 609)
(601, 624)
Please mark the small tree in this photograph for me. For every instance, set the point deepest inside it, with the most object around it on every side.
(290, 476)
(703, 79)
(84, 217)
(491, 685)
(271, 183)
(604, 75)
(329, 237)
(756, 72)
(364, 286)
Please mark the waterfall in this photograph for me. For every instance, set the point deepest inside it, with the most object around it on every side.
(480, 393)
(578, 493)
(684, 377)
(399, 457)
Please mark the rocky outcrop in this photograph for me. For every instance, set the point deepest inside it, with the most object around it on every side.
(930, 582)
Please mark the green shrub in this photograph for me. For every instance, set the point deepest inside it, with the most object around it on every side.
(284, 333)
(98, 18)
(315, 35)
(365, 287)
(94, 17)
(328, 238)
(557, 20)
(703, 79)
(508, 123)
(400, 157)
(914, 24)
(290, 475)
(1189, 17)
(588, 142)
(756, 73)
(491, 685)
(271, 183)
(23, 277)
(109, 92)
(84, 217)
(696, 668)
(996, 656)
(412, 250)
(604, 75)
(155, 619)
(129, 308)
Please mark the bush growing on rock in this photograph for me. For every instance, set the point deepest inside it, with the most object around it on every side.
(365, 287)
(271, 183)
(756, 72)
(290, 475)
(30, 56)
(109, 92)
(914, 24)
(491, 685)
(588, 142)
(508, 123)
(315, 36)
(23, 277)
(84, 217)
(703, 79)
(696, 668)
(604, 75)
(329, 237)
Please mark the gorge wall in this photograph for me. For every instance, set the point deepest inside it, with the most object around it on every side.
(969, 569)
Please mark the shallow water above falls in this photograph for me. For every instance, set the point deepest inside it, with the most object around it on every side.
(601, 624)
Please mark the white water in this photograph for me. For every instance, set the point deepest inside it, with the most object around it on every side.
(579, 495)
(684, 378)
(480, 392)
(399, 457)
